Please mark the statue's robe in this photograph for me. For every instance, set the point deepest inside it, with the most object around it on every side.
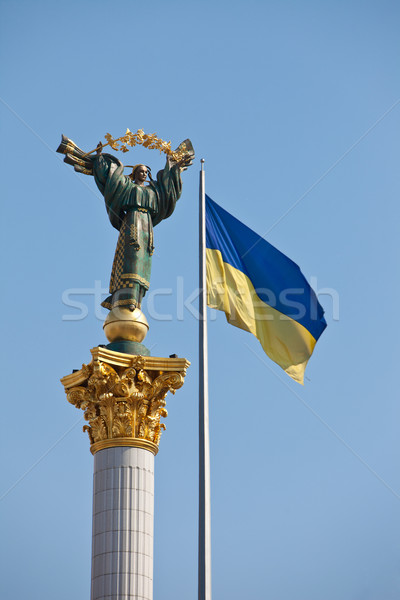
(134, 210)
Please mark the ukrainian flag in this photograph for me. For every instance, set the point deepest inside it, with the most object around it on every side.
(261, 291)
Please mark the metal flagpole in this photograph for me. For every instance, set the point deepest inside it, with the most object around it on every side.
(204, 436)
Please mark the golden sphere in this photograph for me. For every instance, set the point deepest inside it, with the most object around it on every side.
(124, 324)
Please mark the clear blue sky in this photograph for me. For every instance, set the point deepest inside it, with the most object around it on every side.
(296, 109)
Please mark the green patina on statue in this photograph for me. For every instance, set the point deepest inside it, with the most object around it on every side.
(134, 206)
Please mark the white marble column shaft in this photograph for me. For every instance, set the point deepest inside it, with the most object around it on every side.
(123, 522)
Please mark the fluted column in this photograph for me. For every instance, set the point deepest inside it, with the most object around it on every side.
(123, 517)
(123, 397)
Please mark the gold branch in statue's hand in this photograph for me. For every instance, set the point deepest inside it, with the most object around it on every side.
(150, 141)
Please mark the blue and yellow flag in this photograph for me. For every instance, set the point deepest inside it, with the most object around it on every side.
(261, 291)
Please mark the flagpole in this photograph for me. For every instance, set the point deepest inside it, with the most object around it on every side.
(204, 576)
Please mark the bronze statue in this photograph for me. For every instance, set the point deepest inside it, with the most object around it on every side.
(134, 205)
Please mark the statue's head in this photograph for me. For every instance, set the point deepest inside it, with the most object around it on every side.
(139, 174)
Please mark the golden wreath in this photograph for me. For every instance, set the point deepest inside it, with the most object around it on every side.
(150, 141)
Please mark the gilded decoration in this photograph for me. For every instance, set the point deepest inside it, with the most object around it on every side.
(123, 405)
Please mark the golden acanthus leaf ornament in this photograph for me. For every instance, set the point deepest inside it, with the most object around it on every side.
(124, 406)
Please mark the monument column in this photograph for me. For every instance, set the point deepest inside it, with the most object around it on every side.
(123, 397)
(123, 511)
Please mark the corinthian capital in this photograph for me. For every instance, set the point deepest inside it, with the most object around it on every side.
(123, 397)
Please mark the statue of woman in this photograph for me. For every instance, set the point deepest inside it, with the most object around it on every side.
(134, 205)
